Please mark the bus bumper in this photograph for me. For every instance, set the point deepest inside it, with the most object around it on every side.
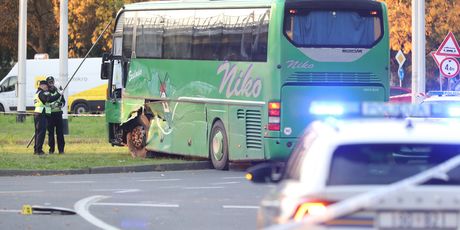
(278, 148)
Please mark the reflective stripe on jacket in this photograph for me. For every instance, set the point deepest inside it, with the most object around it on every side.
(39, 106)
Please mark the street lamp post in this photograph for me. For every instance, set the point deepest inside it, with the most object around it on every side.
(418, 49)
(64, 57)
(22, 58)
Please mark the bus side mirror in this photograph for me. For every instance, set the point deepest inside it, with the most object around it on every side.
(268, 172)
(106, 67)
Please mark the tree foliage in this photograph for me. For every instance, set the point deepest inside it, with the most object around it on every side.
(441, 16)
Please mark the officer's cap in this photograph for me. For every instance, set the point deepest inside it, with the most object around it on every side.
(43, 82)
(50, 79)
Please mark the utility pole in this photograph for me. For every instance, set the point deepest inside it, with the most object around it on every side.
(22, 59)
(418, 49)
(64, 58)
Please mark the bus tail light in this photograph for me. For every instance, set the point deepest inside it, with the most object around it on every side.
(274, 113)
(311, 208)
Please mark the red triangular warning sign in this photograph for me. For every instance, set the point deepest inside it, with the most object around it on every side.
(449, 47)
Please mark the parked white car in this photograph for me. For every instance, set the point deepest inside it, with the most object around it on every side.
(87, 92)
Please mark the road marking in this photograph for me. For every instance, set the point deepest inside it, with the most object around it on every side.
(215, 187)
(233, 177)
(223, 183)
(240, 206)
(158, 180)
(139, 205)
(14, 192)
(71, 182)
(128, 191)
(82, 209)
(9, 211)
(119, 190)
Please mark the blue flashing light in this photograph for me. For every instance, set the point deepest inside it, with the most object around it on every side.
(331, 109)
(380, 109)
(443, 93)
(395, 110)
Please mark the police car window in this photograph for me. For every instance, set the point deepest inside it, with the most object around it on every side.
(374, 164)
(293, 166)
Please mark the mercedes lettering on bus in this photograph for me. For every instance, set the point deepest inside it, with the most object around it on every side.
(233, 80)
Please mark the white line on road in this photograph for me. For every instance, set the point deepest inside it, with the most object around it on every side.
(233, 177)
(139, 205)
(158, 180)
(9, 211)
(240, 206)
(223, 183)
(214, 187)
(71, 182)
(82, 208)
(116, 190)
(128, 191)
(14, 192)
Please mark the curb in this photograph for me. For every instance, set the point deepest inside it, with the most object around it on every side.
(195, 165)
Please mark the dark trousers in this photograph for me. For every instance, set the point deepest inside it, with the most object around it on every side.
(55, 123)
(40, 131)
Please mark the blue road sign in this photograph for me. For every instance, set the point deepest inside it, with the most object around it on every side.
(401, 73)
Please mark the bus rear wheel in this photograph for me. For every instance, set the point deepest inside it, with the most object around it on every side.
(218, 146)
(136, 139)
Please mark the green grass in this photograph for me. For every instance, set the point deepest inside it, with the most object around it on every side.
(86, 146)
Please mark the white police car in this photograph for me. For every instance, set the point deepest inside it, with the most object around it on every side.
(348, 172)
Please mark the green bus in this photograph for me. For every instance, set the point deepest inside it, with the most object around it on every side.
(232, 80)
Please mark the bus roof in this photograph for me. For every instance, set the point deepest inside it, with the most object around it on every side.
(193, 4)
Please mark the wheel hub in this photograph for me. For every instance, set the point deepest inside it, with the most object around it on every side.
(137, 135)
(217, 146)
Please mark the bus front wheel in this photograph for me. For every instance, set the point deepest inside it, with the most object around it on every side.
(136, 139)
(218, 146)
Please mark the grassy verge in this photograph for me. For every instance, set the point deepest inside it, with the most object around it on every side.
(86, 147)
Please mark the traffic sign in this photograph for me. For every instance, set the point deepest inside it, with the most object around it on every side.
(400, 58)
(437, 58)
(449, 47)
(450, 67)
(401, 73)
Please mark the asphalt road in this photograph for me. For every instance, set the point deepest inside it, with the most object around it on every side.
(207, 199)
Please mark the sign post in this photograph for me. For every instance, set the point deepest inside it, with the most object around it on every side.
(438, 59)
(445, 58)
(401, 59)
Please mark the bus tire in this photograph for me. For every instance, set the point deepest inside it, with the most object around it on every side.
(218, 146)
(2, 109)
(80, 108)
(137, 138)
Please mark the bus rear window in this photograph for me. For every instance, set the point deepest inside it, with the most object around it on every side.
(377, 164)
(333, 28)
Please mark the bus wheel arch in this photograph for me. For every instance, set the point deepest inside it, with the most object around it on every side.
(218, 145)
(137, 134)
(2, 109)
(80, 107)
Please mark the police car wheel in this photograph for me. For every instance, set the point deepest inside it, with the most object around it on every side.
(218, 146)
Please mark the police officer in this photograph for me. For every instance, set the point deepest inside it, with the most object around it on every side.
(42, 99)
(55, 119)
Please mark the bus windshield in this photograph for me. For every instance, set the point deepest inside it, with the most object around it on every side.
(331, 28)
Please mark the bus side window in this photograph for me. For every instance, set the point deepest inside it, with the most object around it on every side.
(207, 35)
